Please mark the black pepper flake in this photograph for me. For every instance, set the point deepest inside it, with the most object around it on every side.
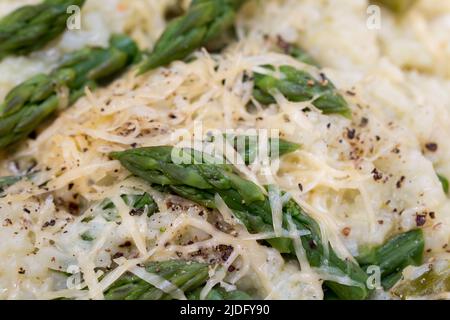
(27, 210)
(300, 186)
(283, 44)
(400, 182)
(50, 223)
(377, 175)
(73, 207)
(136, 212)
(70, 186)
(351, 133)
(117, 255)
(431, 146)
(364, 122)
(312, 244)
(421, 219)
(246, 77)
(225, 251)
(21, 270)
(32, 135)
(432, 215)
(126, 244)
(351, 93)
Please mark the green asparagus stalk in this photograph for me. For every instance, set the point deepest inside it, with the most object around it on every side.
(30, 28)
(204, 21)
(302, 55)
(6, 182)
(396, 254)
(299, 86)
(248, 146)
(444, 182)
(30, 103)
(187, 276)
(397, 6)
(138, 202)
(200, 183)
(433, 281)
(297, 52)
(220, 294)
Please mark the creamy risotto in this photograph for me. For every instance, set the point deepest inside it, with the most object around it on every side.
(363, 179)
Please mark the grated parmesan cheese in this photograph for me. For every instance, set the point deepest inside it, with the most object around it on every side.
(372, 183)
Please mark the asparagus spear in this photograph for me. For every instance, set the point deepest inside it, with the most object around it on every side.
(298, 86)
(433, 281)
(30, 28)
(220, 294)
(6, 182)
(204, 21)
(397, 6)
(303, 56)
(296, 52)
(396, 254)
(185, 275)
(248, 146)
(200, 183)
(31, 102)
(138, 202)
(444, 182)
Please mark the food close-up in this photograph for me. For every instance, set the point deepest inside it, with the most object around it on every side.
(224, 149)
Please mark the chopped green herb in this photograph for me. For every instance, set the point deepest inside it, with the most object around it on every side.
(444, 182)
(299, 86)
(86, 236)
